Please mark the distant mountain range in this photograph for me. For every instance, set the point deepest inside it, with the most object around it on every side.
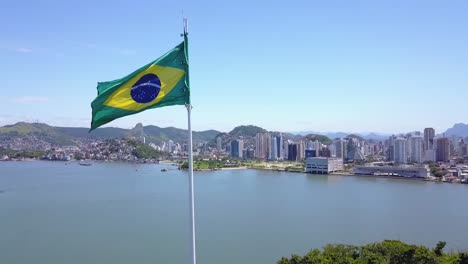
(68, 135)
(458, 129)
(333, 135)
(34, 132)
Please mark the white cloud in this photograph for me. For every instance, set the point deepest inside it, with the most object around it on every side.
(32, 99)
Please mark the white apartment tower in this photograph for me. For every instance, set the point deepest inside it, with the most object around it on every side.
(399, 150)
(416, 149)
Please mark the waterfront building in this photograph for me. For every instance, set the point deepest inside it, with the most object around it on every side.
(286, 149)
(322, 165)
(442, 149)
(237, 146)
(339, 148)
(416, 149)
(300, 151)
(279, 146)
(429, 134)
(262, 145)
(274, 148)
(292, 152)
(399, 150)
(402, 171)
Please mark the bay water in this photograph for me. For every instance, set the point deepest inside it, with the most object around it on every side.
(56, 212)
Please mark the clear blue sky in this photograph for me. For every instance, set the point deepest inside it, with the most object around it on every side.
(283, 65)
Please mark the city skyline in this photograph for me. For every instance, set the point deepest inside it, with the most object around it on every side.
(380, 67)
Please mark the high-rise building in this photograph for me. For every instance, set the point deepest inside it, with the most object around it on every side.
(391, 153)
(262, 145)
(462, 148)
(332, 149)
(285, 149)
(339, 148)
(219, 142)
(274, 149)
(249, 153)
(292, 152)
(442, 149)
(237, 147)
(399, 150)
(259, 150)
(429, 134)
(178, 148)
(300, 151)
(416, 149)
(309, 144)
(315, 146)
(325, 152)
(170, 146)
(279, 146)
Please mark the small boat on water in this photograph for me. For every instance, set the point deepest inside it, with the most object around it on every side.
(164, 170)
(83, 163)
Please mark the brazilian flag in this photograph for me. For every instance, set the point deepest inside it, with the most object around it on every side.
(163, 82)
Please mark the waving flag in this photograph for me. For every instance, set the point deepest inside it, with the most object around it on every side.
(163, 82)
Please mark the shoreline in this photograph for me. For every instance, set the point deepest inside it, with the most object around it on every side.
(346, 174)
(234, 168)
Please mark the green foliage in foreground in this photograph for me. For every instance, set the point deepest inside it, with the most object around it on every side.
(386, 252)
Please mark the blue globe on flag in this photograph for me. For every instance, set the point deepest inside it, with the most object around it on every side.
(146, 89)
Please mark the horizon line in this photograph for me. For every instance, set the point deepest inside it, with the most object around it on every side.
(297, 133)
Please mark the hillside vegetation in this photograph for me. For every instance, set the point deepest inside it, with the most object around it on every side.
(62, 136)
(246, 131)
(322, 139)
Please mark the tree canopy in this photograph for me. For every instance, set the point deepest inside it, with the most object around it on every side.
(386, 252)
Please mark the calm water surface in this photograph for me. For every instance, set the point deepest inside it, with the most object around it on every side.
(121, 213)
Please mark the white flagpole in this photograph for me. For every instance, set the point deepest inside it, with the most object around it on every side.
(191, 192)
(191, 187)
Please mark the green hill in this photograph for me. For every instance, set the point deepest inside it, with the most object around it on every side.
(39, 131)
(61, 136)
(322, 139)
(355, 136)
(246, 131)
